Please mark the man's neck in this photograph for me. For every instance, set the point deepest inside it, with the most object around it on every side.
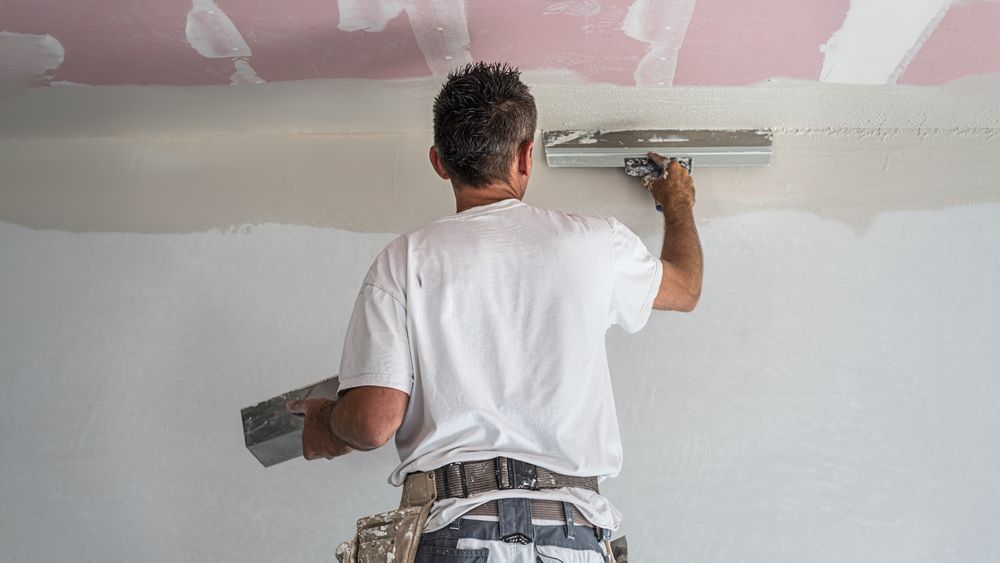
(467, 198)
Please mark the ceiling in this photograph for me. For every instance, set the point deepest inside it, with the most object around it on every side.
(623, 42)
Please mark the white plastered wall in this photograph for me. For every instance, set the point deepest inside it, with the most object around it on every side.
(172, 255)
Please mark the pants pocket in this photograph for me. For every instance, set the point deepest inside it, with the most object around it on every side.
(435, 554)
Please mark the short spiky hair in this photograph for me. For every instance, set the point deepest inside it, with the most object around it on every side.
(481, 116)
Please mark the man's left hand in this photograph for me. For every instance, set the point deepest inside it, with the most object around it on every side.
(318, 441)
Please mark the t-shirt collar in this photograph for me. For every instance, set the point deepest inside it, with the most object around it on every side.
(489, 207)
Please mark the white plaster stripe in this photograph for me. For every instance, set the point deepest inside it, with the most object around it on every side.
(439, 26)
(662, 24)
(442, 33)
(29, 59)
(244, 73)
(210, 32)
(370, 15)
(878, 39)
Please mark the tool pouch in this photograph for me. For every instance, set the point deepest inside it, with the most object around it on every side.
(618, 550)
(393, 537)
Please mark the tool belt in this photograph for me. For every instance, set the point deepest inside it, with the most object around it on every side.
(459, 480)
(394, 536)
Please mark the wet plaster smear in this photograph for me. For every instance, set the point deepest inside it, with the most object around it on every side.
(172, 255)
(168, 159)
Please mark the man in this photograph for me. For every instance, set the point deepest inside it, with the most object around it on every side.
(479, 341)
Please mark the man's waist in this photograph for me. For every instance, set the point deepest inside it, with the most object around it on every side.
(459, 480)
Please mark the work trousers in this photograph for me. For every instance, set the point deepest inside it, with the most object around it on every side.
(477, 541)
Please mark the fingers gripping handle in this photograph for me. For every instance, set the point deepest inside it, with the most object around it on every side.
(642, 167)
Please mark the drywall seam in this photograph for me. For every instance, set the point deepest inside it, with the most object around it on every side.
(440, 27)
(180, 183)
(29, 59)
(919, 44)
(210, 32)
(662, 25)
(243, 73)
(403, 106)
(878, 40)
(373, 15)
(442, 33)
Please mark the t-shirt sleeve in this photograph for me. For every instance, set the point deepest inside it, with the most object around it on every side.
(377, 347)
(636, 279)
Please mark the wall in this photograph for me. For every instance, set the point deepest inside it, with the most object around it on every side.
(833, 397)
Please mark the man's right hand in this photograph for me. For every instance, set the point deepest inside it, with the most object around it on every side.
(318, 441)
(675, 188)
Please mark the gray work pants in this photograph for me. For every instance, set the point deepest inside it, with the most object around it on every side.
(477, 541)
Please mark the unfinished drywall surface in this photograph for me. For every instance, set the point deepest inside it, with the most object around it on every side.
(190, 159)
(565, 101)
(384, 183)
(833, 397)
(171, 255)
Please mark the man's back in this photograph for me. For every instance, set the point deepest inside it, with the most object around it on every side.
(503, 309)
(478, 341)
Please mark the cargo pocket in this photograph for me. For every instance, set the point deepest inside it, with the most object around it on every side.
(435, 554)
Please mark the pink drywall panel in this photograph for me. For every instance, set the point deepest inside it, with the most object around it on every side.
(741, 42)
(118, 41)
(966, 42)
(728, 42)
(580, 36)
(299, 40)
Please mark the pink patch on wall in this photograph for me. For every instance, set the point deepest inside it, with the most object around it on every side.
(583, 36)
(736, 43)
(300, 40)
(965, 42)
(118, 41)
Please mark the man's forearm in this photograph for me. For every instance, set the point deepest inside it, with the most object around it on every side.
(681, 246)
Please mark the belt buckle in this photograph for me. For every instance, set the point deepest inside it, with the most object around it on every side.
(518, 474)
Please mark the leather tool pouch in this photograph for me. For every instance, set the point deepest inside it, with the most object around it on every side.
(393, 537)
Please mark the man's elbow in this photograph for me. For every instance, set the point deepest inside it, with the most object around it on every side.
(691, 294)
(689, 301)
(374, 434)
(370, 415)
(680, 288)
(681, 301)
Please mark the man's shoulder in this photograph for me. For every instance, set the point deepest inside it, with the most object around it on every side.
(444, 230)
(576, 221)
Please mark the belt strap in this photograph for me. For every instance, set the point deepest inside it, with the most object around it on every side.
(541, 509)
(501, 473)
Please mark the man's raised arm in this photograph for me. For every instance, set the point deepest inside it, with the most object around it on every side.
(680, 287)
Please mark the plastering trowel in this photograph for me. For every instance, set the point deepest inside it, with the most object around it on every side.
(615, 149)
(272, 433)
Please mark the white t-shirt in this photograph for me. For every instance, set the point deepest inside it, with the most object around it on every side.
(493, 320)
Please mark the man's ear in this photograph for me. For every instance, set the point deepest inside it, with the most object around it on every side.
(524, 158)
(436, 163)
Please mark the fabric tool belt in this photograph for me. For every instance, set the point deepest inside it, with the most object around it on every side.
(501, 473)
(541, 509)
